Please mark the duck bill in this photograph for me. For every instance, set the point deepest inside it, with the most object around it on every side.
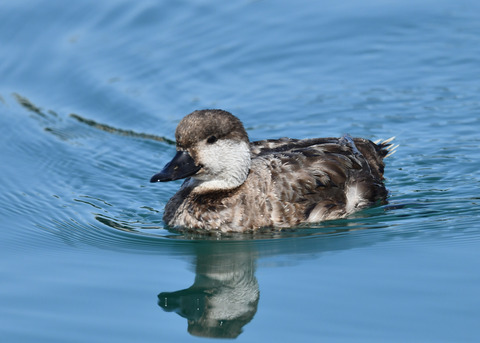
(181, 166)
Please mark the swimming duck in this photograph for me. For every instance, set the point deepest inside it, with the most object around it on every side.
(234, 185)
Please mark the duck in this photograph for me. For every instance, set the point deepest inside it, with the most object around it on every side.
(235, 185)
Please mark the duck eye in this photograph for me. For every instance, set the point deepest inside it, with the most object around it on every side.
(211, 139)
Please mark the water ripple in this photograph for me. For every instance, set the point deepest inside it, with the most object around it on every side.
(125, 214)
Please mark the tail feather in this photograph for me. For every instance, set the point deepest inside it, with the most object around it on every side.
(387, 145)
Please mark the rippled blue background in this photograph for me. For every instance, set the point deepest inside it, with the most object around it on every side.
(89, 89)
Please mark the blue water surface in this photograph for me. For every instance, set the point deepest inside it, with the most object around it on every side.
(90, 95)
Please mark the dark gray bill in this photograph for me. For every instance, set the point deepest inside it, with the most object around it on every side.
(181, 166)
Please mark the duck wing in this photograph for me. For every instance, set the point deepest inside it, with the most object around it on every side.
(323, 178)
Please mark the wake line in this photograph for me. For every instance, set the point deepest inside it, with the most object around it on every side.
(52, 117)
(121, 132)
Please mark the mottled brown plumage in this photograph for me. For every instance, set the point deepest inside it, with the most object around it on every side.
(276, 183)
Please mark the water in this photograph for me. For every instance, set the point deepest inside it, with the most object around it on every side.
(90, 95)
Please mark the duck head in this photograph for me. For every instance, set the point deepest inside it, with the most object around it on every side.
(212, 149)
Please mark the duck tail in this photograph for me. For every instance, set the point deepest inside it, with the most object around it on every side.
(386, 146)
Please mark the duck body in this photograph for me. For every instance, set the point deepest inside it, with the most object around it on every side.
(236, 185)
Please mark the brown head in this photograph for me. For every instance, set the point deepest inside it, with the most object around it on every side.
(209, 126)
(212, 148)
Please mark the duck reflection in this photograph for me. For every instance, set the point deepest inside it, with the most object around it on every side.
(224, 296)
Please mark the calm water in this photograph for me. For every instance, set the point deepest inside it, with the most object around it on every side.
(90, 95)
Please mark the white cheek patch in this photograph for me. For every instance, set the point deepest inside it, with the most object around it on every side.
(226, 164)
